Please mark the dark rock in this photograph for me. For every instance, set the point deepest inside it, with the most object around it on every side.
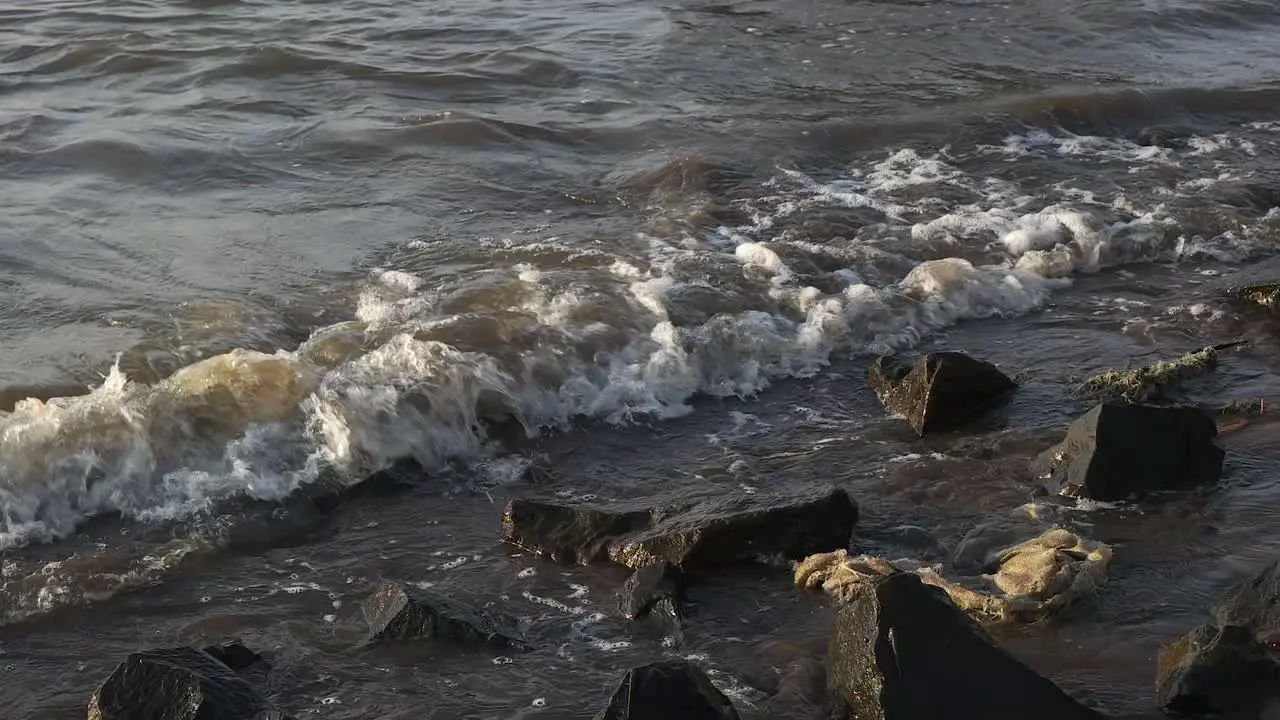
(1251, 195)
(567, 533)
(738, 528)
(823, 224)
(939, 391)
(1114, 452)
(1258, 283)
(396, 612)
(1165, 136)
(174, 684)
(1254, 604)
(902, 651)
(667, 690)
(1216, 671)
(234, 655)
(691, 534)
(648, 588)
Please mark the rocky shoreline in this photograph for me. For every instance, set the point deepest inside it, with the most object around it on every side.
(911, 638)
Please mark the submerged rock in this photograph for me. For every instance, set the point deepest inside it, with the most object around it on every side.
(1165, 136)
(979, 550)
(174, 684)
(667, 690)
(396, 612)
(1035, 578)
(903, 651)
(691, 534)
(654, 590)
(568, 533)
(940, 390)
(1114, 452)
(1259, 283)
(1215, 671)
(234, 655)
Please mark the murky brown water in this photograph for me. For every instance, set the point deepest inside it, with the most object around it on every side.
(661, 239)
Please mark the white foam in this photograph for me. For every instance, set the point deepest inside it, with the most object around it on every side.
(544, 341)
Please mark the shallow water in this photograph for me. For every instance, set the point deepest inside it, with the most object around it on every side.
(647, 247)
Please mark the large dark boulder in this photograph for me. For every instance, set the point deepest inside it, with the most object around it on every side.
(940, 390)
(901, 650)
(1259, 283)
(1114, 452)
(397, 612)
(667, 690)
(690, 534)
(175, 684)
(1216, 671)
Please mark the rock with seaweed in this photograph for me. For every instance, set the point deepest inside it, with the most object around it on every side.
(1151, 383)
(1030, 581)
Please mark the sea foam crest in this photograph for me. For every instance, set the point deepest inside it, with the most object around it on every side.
(425, 369)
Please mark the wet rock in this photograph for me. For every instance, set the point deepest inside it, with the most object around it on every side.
(1165, 136)
(689, 534)
(396, 612)
(1254, 604)
(1031, 580)
(653, 589)
(823, 224)
(903, 651)
(735, 528)
(1216, 671)
(174, 684)
(568, 533)
(234, 655)
(939, 391)
(1114, 452)
(1259, 283)
(667, 690)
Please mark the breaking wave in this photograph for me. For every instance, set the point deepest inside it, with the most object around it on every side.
(870, 261)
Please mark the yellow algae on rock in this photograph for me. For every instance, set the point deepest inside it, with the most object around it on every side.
(1035, 579)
